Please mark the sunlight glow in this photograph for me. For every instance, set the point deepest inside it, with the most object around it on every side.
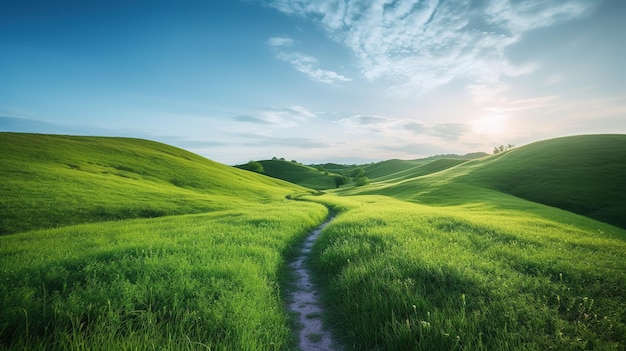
(490, 125)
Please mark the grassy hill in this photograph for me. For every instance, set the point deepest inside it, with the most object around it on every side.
(423, 168)
(204, 275)
(391, 169)
(50, 181)
(388, 167)
(442, 254)
(582, 174)
(300, 174)
(471, 257)
(321, 177)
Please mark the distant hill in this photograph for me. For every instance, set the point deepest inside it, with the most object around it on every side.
(322, 176)
(54, 180)
(333, 167)
(306, 176)
(390, 167)
(422, 168)
(582, 174)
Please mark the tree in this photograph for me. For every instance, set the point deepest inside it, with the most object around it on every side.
(357, 172)
(362, 180)
(340, 180)
(502, 148)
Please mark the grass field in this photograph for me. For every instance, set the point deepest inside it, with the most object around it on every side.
(402, 276)
(581, 174)
(51, 181)
(204, 275)
(188, 282)
(113, 243)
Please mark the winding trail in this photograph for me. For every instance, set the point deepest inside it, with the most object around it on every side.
(312, 336)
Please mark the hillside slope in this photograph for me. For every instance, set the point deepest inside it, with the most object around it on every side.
(53, 180)
(582, 174)
(296, 173)
(394, 168)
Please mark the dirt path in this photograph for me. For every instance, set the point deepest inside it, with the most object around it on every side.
(312, 336)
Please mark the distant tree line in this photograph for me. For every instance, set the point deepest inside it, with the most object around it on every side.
(283, 159)
(502, 148)
(357, 175)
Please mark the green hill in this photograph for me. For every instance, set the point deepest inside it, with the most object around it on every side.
(455, 254)
(206, 274)
(296, 173)
(53, 180)
(334, 167)
(581, 174)
(422, 169)
(390, 169)
(485, 254)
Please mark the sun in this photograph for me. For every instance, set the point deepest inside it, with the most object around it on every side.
(490, 125)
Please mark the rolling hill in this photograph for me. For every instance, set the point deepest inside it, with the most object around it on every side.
(393, 168)
(582, 174)
(296, 173)
(52, 180)
(434, 253)
(101, 276)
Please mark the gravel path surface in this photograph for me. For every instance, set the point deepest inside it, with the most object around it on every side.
(304, 301)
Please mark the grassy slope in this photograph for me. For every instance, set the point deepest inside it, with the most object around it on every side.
(393, 169)
(188, 281)
(502, 274)
(50, 181)
(420, 170)
(489, 271)
(468, 266)
(582, 174)
(387, 167)
(302, 175)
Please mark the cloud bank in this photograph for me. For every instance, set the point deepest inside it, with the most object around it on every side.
(423, 44)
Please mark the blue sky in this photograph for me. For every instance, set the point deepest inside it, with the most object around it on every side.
(317, 81)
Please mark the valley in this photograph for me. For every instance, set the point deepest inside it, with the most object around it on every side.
(116, 243)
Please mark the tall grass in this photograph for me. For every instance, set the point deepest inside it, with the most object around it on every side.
(404, 276)
(50, 181)
(192, 282)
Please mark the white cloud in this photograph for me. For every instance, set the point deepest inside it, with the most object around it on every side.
(405, 129)
(423, 44)
(288, 116)
(279, 41)
(303, 63)
(308, 65)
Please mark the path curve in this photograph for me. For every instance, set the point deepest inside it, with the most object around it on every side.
(304, 300)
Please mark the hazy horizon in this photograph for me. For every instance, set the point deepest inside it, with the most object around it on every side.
(324, 81)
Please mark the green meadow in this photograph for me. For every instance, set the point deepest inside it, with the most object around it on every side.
(145, 246)
(112, 243)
